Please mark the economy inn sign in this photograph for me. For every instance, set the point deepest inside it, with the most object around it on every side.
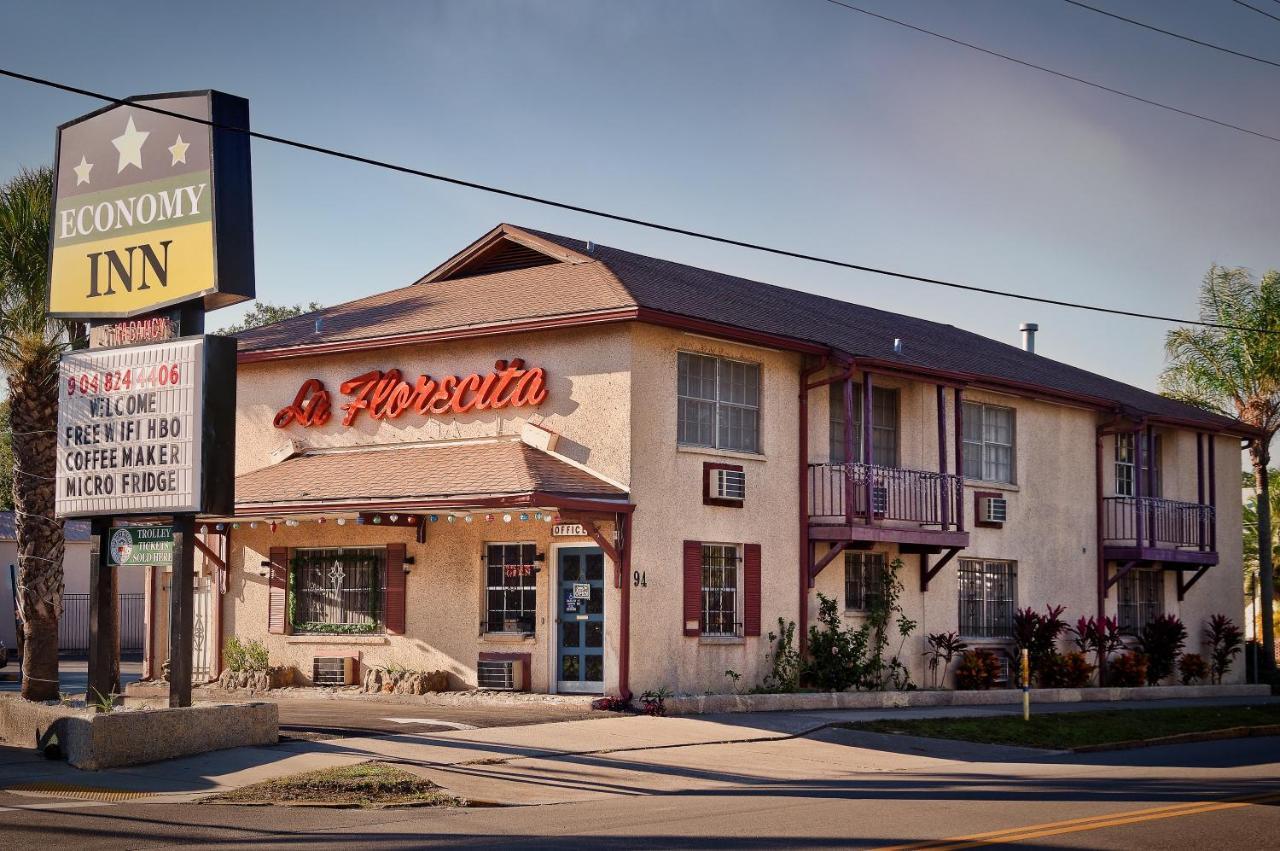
(152, 209)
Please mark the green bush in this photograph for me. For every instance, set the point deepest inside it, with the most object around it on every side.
(1161, 641)
(1072, 670)
(1225, 641)
(1127, 670)
(241, 656)
(977, 670)
(836, 653)
(784, 660)
(1192, 668)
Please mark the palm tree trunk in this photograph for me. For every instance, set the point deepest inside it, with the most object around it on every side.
(1260, 457)
(33, 393)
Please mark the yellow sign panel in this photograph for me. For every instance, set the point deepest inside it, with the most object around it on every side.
(152, 208)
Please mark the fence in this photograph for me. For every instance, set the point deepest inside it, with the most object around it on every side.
(73, 626)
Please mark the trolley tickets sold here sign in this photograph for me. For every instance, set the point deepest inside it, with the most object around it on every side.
(129, 430)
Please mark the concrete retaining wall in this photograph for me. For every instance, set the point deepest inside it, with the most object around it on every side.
(699, 704)
(92, 741)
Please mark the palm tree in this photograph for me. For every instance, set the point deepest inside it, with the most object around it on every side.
(1237, 373)
(30, 345)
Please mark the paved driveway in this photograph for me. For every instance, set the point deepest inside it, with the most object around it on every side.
(365, 717)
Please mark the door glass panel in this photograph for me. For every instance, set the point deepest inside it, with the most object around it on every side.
(569, 667)
(595, 567)
(595, 669)
(569, 634)
(595, 605)
(595, 634)
(569, 568)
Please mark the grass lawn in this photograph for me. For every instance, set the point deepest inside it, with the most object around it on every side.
(368, 784)
(1065, 730)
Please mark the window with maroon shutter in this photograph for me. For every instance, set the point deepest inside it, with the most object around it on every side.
(393, 589)
(751, 589)
(277, 600)
(692, 588)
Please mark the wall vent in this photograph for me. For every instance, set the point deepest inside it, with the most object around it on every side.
(333, 670)
(500, 674)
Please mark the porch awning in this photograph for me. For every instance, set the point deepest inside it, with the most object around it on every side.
(488, 473)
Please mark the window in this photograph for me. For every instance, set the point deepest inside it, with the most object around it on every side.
(884, 425)
(988, 443)
(510, 588)
(718, 403)
(863, 580)
(1141, 598)
(337, 590)
(720, 589)
(988, 598)
(1126, 465)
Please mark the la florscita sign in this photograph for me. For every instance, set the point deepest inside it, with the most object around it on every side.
(152, 226)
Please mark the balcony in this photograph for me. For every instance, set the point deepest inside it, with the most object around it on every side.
(914, 507)
(1158, 530)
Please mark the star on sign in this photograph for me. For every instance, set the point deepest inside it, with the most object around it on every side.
(179, 151)
(82, 171)
(129, 144)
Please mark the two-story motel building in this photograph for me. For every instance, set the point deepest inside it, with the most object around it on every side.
(594, 471)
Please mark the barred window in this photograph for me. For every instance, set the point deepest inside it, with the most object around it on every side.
(1126, 465)
(988, 598)
(884, 425)
(718, 402)
(720, 576)
(863, 580)
(510, 588)
(1141, 598)
(988, 443)
(337, 590)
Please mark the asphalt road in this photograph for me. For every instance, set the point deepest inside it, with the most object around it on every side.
(1207, 795)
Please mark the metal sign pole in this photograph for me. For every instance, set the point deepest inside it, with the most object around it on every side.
(104, 619)
(182, 609)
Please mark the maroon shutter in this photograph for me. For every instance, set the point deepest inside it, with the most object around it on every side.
(751, 589)
(277, 599)
(693, 588)
(393, 590)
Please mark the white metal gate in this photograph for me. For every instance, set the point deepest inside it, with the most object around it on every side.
(201, 639)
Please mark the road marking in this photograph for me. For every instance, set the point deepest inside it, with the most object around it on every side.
(455, 725)
(1077, 825)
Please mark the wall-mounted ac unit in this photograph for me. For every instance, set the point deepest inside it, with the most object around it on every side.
(501, 675)
(333, 670)
(729, 484)
(879, 499)
(995, 509)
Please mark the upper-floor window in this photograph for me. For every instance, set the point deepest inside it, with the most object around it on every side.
(1127, 465)
(863, 580)
(884, 424)
(718, 403)
(988, 443)
(1141, 598)
(337, 590)
(988, 597)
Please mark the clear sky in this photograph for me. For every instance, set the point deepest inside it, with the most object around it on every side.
(791, 122)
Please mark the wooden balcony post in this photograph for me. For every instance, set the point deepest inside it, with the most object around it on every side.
(943, 496)
(866, 445)
(1151, 484)
(1140, 527)
(848, 447)
(1213, 497)
(959, 438)
(1200, 514)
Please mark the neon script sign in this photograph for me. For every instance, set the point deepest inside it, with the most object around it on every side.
(387, 395)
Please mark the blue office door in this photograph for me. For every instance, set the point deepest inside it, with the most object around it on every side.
(580, 639)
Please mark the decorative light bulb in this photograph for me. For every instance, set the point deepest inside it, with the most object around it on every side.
(342, 521)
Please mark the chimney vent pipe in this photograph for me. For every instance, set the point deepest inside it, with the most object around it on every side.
(1029, 330)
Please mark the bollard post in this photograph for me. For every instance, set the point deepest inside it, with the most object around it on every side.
(1026, 686)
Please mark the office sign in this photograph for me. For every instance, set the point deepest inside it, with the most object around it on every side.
(141, 545)
(152, 209)
(137, 426)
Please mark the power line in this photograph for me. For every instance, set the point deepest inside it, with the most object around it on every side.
(1256, 9)
(618, 217)
(1061, 74)
(1173, 34)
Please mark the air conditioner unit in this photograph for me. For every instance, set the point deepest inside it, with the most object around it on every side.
(879, 499)
(500, 675)
(729, 484)
(333, 670)
(995, 509)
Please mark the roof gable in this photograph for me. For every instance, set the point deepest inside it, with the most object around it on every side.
(503, 249)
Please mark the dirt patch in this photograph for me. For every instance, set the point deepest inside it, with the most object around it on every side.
(367, 784)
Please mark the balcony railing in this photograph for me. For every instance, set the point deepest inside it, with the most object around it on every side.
(911, 496)
(1158, 523)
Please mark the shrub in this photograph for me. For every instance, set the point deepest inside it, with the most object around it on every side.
(1192, 668)
(242, 656)
(1127, 670)
(784, 660)
(879, 673)
(943, 646)
(1161, 641)
(1225, 641)
(836, 653)
(1038, 634)
(1099, 637)
(978, 670)
(1071, 670)
(654, 702)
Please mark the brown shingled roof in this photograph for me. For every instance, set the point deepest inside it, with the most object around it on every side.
(417, 472)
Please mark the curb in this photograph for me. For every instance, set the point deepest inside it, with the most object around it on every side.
(1184, 738)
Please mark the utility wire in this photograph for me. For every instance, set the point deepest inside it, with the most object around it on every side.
(1060, 74)
(1256, 9)
(1153, 28)
(617, 217)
